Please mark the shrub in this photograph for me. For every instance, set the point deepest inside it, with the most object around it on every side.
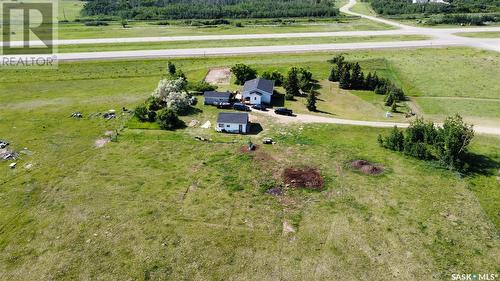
(168, 120)
(95, 23)
(201, 86)
(141, 112)
(243, 73)
(275, 75)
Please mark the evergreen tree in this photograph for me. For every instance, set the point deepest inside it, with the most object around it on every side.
(370, 82)
(389, 100)
(334, 74)
(394, 107)
(292, 83)
(311, 101)
(356, 77)
(171, 68)
(345, 79)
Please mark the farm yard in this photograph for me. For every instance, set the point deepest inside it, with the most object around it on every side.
(149, 204)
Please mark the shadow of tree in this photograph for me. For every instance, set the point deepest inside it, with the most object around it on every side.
(480, 165)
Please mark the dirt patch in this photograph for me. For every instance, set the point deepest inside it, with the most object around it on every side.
(288, 228)
(102, 142)
(275, 191)
(221, 76)
(249, 148)
(367, 168)
(306, 177)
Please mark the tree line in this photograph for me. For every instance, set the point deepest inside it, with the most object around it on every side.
(351, 77)
(201, 9)
(397, 7)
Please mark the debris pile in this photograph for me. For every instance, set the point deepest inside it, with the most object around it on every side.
(249, 147)
(3, 144)
(367, 168)
(306, 177)
(109, 115)
(207, 125)
(77, 114)
(6, 154)
(200, 138)
(194, 123)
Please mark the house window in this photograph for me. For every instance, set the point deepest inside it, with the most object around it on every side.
(255, 98)
(221, 125)
(228, 125)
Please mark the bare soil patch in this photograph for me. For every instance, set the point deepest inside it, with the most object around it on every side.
(221, 76)
(306, 177)
(367, 168)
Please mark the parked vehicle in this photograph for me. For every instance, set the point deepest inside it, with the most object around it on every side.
(283, 111)
(223, 105)
(240, 107)
(259, 107)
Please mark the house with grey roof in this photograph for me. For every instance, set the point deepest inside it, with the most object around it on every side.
(258, 91)
(233, 122)
(214, 98)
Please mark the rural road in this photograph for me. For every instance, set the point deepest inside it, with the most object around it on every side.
(308, 118)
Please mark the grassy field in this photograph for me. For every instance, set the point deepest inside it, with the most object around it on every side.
(144, 29)
(155, 205)
(493, 34)
(437, 73)
(232, 43)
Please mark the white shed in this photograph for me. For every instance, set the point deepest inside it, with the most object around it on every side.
(233, 122)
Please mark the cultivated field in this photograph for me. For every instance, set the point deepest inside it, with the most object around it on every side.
(156, 205)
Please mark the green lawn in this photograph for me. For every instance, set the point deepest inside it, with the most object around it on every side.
(231, 43)
(156, 205)
(70, 9)
(491, 34)
(145, 29)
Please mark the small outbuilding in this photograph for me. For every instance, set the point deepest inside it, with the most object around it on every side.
(214, 98)
(233, 122)
(258, 91)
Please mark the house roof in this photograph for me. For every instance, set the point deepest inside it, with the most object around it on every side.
(233, 117)
(215, 94)
(259, 84)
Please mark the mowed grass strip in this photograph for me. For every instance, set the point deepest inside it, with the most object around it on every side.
(147, 29)
(231, 43)
(490, 34)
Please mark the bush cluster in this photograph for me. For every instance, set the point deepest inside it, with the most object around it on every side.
(425, 140)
